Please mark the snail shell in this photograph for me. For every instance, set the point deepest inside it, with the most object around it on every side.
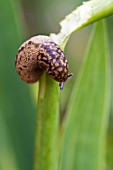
(40, 53)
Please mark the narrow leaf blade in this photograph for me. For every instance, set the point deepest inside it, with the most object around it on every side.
(84, 141)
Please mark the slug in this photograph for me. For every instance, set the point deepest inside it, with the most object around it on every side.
(39, 54)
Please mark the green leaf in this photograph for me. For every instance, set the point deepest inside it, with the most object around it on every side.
(87, 114)
(16, 107)
(85, 14)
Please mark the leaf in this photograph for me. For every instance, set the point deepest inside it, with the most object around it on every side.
(85, 14)
(87, 114)
(16, 107)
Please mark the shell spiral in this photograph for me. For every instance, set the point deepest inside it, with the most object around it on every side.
(40, 53)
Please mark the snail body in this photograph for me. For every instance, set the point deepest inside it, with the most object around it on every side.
(40, 53)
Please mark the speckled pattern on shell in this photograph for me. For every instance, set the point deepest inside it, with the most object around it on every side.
(38, 54)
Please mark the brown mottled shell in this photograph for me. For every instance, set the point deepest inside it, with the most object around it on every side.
(38, 54)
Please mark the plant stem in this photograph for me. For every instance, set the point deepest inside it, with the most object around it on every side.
(46, 157)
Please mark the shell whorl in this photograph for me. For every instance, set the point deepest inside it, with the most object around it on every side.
(40, 53)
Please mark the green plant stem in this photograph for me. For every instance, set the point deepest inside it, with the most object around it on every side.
(46, 157)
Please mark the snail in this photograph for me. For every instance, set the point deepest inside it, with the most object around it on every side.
(40, 53)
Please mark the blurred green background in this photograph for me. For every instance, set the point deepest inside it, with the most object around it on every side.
(19, 20)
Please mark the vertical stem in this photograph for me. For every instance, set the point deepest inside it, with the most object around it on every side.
(46, 157)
